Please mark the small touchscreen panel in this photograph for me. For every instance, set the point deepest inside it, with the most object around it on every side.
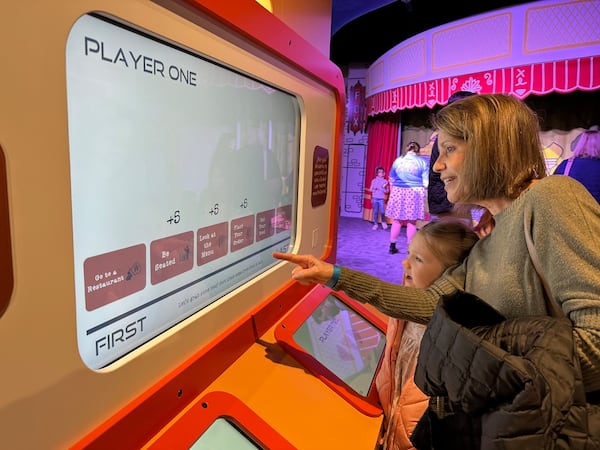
(223, 434)
(218, 420)
(340, 341)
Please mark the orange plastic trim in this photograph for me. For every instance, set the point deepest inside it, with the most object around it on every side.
(190, 425)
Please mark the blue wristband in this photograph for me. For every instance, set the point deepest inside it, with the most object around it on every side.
(335, 277)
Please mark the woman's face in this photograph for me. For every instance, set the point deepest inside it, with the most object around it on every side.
(421, 266)
(449, 163)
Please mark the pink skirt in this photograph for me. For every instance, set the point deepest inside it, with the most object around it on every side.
(406, 203)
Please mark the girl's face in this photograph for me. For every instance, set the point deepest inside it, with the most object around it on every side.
(421, 266)
(449, 163)
(381, 173)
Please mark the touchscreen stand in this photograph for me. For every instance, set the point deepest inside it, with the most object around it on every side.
(338, 340)
(218, 420)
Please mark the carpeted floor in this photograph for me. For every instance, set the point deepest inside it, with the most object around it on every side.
(361, 248)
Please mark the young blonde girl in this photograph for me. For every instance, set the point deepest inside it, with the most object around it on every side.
(436, 247)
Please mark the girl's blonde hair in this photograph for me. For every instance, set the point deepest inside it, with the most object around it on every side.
(450, 240)
(504, 153)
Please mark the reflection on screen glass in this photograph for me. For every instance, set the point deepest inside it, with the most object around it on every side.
(222, 435)
(183, 181)
(344, 342)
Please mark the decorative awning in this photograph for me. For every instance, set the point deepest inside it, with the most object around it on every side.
(564, 76)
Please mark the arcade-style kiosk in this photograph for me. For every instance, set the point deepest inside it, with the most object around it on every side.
(153, 154)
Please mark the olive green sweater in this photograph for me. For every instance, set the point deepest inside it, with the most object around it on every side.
(565, 226)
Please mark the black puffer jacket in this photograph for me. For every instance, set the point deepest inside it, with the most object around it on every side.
(517, 381)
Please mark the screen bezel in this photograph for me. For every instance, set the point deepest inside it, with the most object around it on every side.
(284, 334)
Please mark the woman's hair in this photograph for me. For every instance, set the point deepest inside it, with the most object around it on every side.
(588, 145)
(504, 152)
(450, 240)
(411, 146)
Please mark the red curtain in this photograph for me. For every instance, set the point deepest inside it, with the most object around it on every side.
(382, 150)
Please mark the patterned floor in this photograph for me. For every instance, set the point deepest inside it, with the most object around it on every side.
(361, 248)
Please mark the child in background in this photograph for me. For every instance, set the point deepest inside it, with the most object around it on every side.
(436, 247)
(379, 187)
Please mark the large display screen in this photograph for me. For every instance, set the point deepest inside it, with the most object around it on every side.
(183, 181)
